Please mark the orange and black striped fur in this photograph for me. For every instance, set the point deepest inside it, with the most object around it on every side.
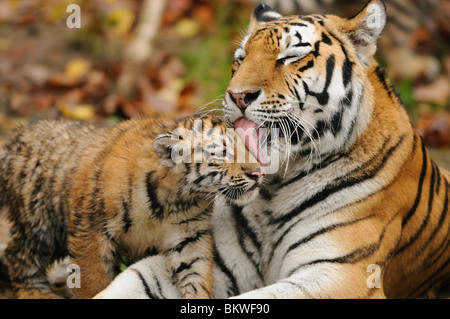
(97, 193)
(359, 191)
(403, 19)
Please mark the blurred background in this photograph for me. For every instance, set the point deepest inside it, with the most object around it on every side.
(132, 58)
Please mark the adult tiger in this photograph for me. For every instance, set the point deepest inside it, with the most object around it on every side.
(360, 188)
(358, 192)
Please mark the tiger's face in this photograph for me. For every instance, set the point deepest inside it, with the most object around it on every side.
(210, 158)
(305, 76)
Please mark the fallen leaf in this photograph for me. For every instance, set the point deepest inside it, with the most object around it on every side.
(187, 28)
(82, 112)
(120, 21)
(62, 80)
(77, 68)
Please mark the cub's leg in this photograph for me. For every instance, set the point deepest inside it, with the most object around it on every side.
(28, 258)
(93, 253)
(190, 262)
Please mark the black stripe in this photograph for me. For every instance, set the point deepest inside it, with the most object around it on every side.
(298, 24)
(347, 68)
(413, 238)
(330, 159)
(299, 45)
(309, 65)
(316, 52)
(197, 236)
(307, 19)
(260, 13)
(156, 208)
(413, 209)
(323, 96)
(351, 258)
(243, 227)
(233, 290)
(436, 228)
(126, 216)
(433, 256)
(184, 266)
(243, 230)
(381, 74)
(326, 39)
(438, 183)
(338, 185)
(35, 198)
(323, 231)
(336, 120)
(144, 283)
(432, 281)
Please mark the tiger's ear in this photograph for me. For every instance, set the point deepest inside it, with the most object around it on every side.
(163, 146)
(365, 28)
(260, 15)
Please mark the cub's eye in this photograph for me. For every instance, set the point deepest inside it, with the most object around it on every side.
(288, 59)
(239, 60)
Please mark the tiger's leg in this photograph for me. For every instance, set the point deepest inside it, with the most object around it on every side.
(28, 260)
(148, 278)
(93, 253)
(190, 263)
(325, 281)
(337, 263)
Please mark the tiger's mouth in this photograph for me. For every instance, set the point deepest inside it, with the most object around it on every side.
(258, 138)
(242, 194)
(252, 136)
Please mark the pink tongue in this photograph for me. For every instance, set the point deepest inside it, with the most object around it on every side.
(248, 132)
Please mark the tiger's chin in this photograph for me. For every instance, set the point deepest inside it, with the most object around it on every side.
(245, 197)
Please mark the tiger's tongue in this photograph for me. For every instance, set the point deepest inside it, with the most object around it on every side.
(252, 137)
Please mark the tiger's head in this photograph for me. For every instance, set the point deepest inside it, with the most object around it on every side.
(206, 158)
(305, 76)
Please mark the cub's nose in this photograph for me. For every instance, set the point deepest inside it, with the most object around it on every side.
(244, 99)
(255, 175)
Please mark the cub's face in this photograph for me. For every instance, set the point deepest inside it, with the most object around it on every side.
(211, 159)
(304, 76)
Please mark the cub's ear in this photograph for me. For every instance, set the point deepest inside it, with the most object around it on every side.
(163, 146)
(262, 14)
(365, 28)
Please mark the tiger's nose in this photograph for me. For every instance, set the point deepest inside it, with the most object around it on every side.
(244, 99)
(256, 175)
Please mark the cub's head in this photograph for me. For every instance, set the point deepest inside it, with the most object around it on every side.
(209, 158)
(305, 77)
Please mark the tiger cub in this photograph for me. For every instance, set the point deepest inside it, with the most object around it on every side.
(143, 188)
